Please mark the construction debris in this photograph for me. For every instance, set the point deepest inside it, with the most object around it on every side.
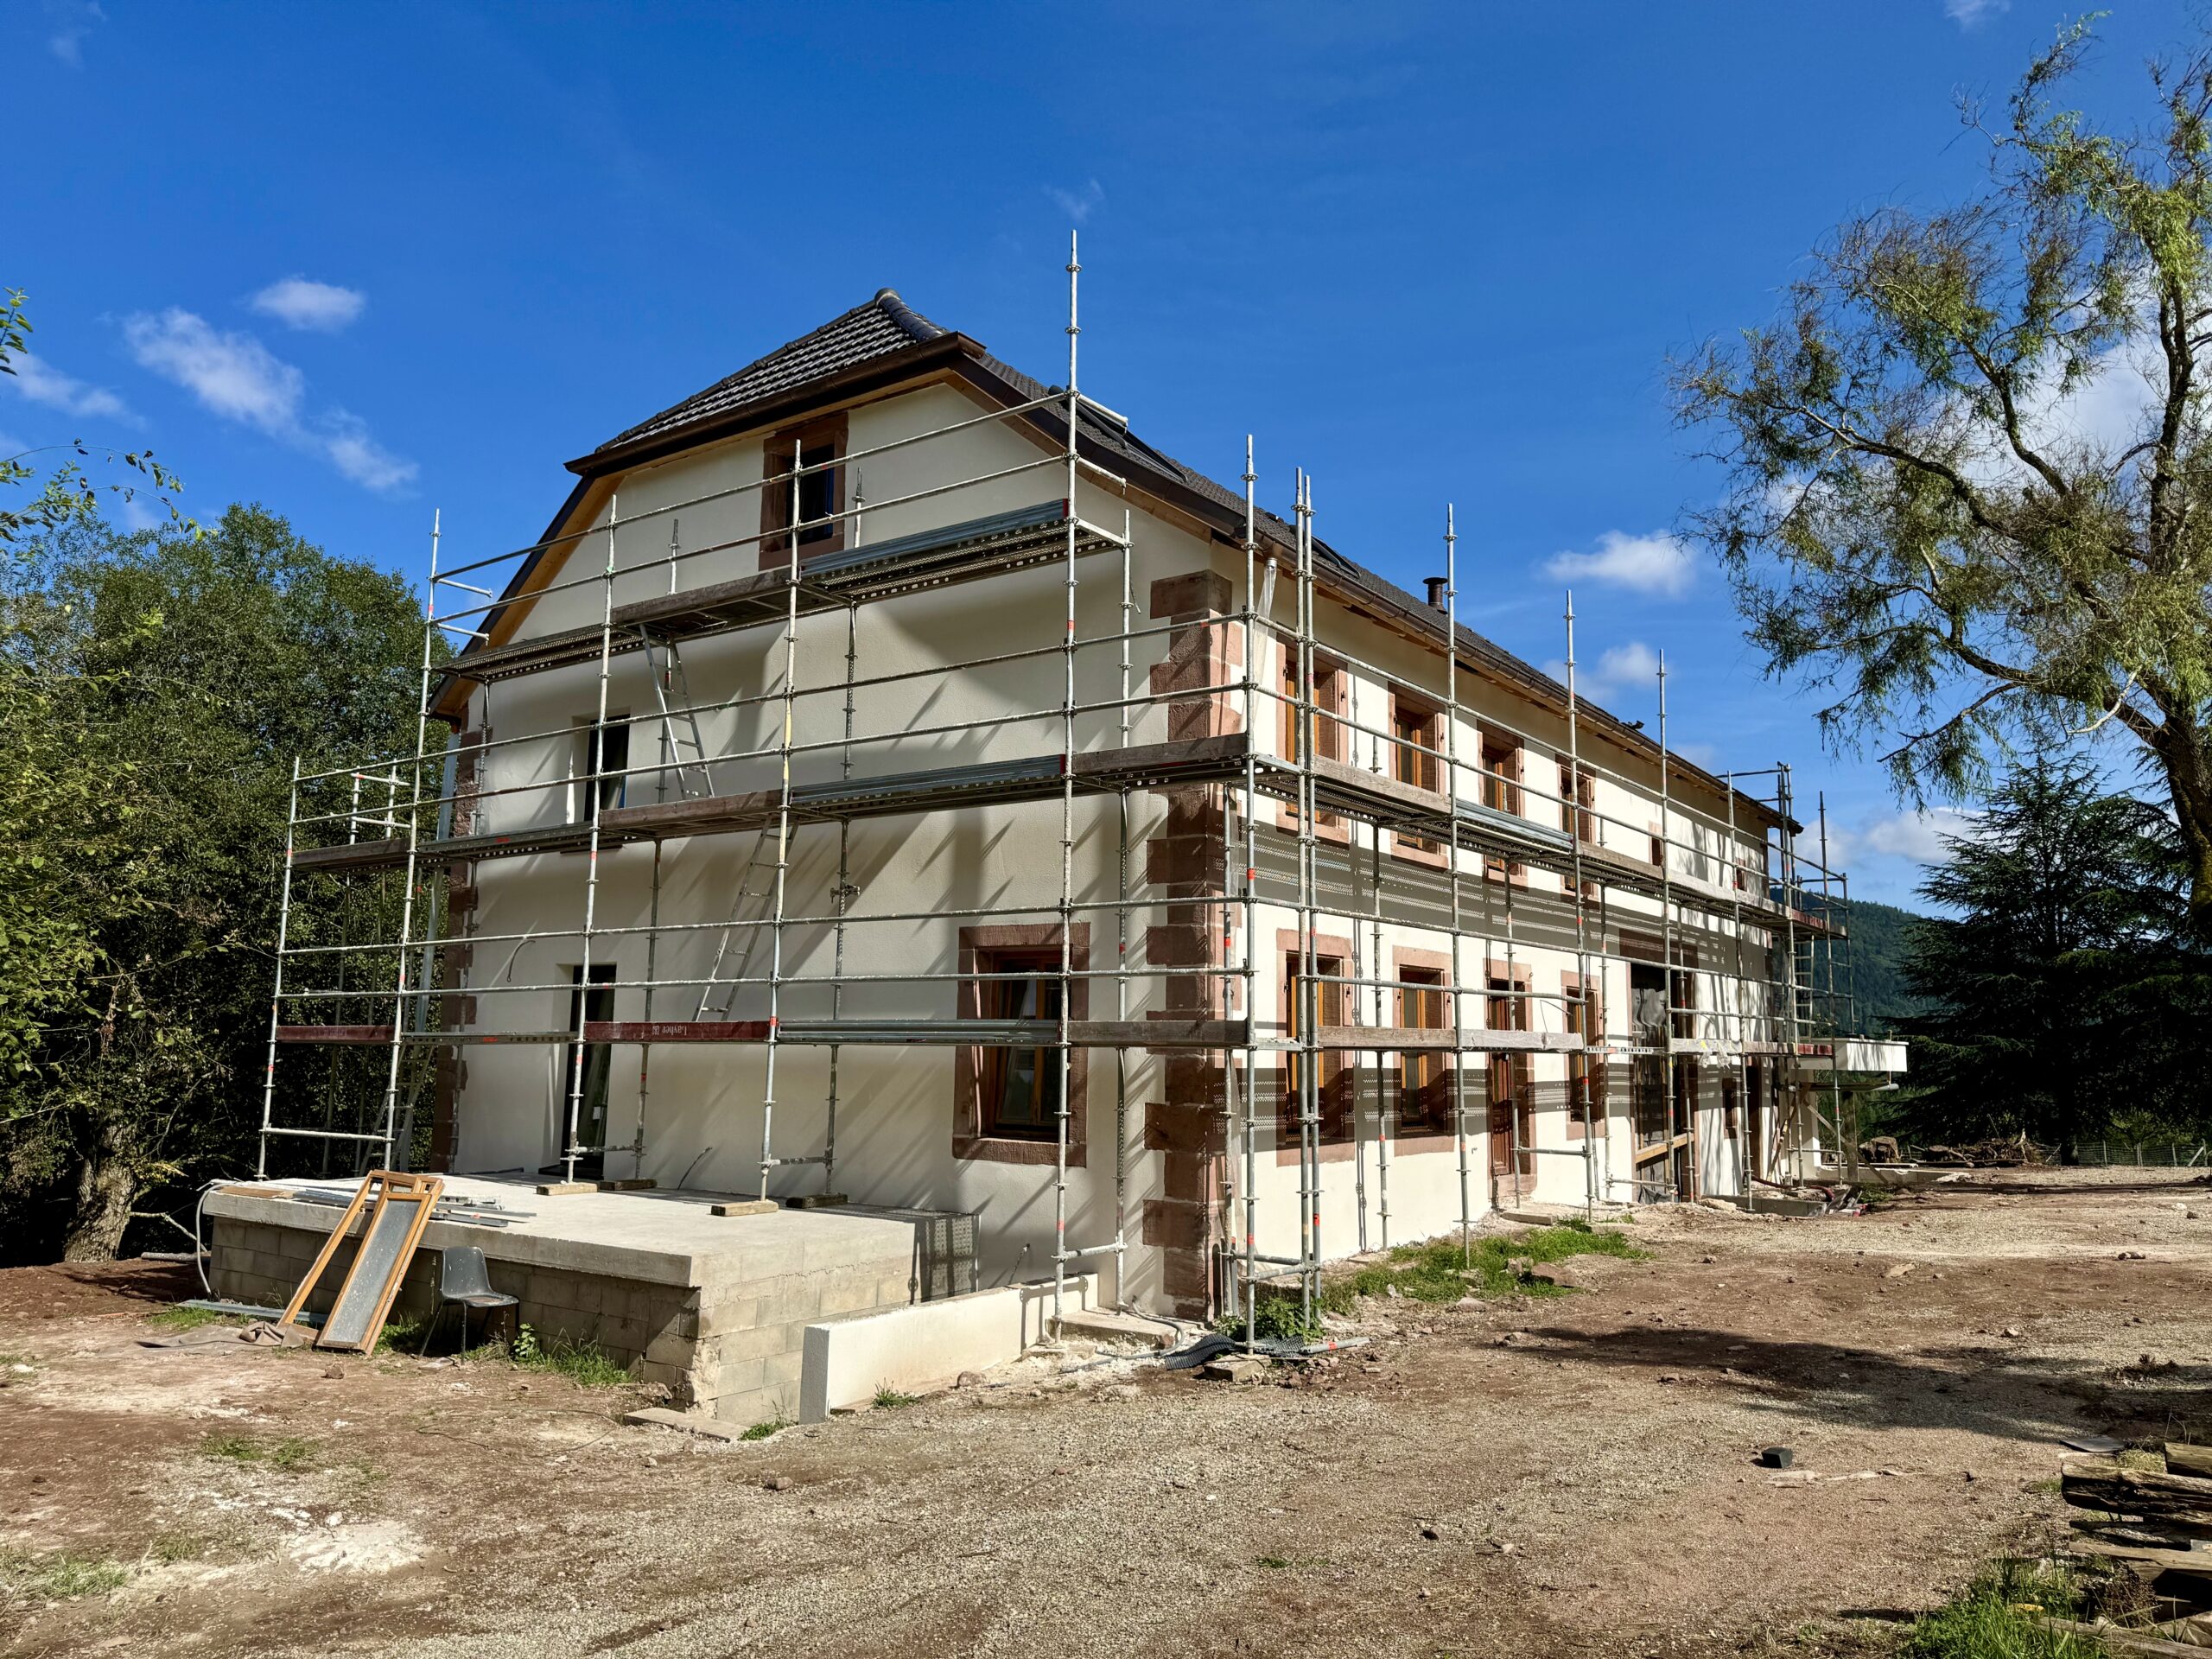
(2147, 1517)
(403, 1205)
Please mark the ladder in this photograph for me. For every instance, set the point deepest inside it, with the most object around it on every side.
(755, 884)
(678, 721)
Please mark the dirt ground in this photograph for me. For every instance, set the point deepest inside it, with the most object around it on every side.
(1565, 1476)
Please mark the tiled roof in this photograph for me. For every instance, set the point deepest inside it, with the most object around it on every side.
(885, 324)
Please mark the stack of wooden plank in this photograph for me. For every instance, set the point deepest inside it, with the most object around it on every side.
(2150, 1518)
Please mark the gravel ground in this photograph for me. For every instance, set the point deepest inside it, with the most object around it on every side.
(1565, 1476)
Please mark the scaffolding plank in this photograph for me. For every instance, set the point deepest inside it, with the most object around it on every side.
(359, 1034)
(936, 557)
(1405, 1038)
(675, 1031)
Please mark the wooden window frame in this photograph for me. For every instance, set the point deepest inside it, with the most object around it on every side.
(1332, 705)
(973, 1064)
(1585, 1009)
(1417, 759)
(777, 453)
(1505, 986)
(1338, 1073)
(1429, 1071)
(1510, 790)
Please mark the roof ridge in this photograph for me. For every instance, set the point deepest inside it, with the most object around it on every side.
(885, 303)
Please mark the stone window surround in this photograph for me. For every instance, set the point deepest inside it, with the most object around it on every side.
(968, 1068)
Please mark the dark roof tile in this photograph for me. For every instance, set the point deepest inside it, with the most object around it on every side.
(885, 324)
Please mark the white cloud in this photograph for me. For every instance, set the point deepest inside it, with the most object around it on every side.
(346, 440)
(72, 21)
(234, 375)
(238, 379)
(1917, 836)
(1968, 13)
(41, 381)
(1646, 564)
(1078, 205)
(1629, 668)
(299, 302)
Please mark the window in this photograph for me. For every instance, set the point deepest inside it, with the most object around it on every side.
(1501, 760)
(1419, 731)
(820, 494)
(1328, 697)
(1512, 1104)
(1501, 771)
(593, 1006)
(1021, 1086)
(1578, 802)
(1658, 848)
(1586, 1018)
(1334, 1080)
(1418, 728)
(1728, 1103)
(1424, 1076)
(602, 758)
(1007, 1098)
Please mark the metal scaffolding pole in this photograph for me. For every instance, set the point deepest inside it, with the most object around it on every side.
(1688, 1152)
(769, 1161)
(593, 803)
(277, 995)
(1061, 1253)
(1452, 858)
(1308, 989)
(1251, 882)
(414, 847)
(1594, 1001)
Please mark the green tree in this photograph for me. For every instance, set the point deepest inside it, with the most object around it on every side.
(66, 491)
(154, 690)
(1920, 517)
(2064, 990)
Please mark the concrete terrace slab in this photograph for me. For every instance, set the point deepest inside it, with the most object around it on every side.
(653, 1237)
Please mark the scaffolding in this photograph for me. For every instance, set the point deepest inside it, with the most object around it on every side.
(1774, 919)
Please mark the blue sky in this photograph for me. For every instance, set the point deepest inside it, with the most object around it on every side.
(357, 263)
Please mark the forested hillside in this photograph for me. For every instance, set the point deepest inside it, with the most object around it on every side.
(1878, 952)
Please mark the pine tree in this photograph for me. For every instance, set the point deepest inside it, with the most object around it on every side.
(2065, 991)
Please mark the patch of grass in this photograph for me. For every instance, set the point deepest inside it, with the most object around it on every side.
(1436, 1271)
(2001, 1616)
(1277, 1318)
(1441, 1271)
(401, 1335)
(169, 1547)
(191, 1318)
(889, 1399)
(2043, 1488)
(1273, 1563)
(762, 1431)
(63, 1577)
(583, 1362)
(289, 1455)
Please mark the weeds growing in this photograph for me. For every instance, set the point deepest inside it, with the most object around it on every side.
(583, 1362)
(289, 1455)
(63, 1577)
(191, 1318)
(762, 1431)
(889, 1399)
(2003, 1615)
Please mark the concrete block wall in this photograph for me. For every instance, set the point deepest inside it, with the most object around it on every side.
(735, 1348)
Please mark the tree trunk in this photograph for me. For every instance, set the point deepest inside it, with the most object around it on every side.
(2182, 756)
(107, 1184)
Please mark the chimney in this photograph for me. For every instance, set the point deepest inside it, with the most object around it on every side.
(1436, 585)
